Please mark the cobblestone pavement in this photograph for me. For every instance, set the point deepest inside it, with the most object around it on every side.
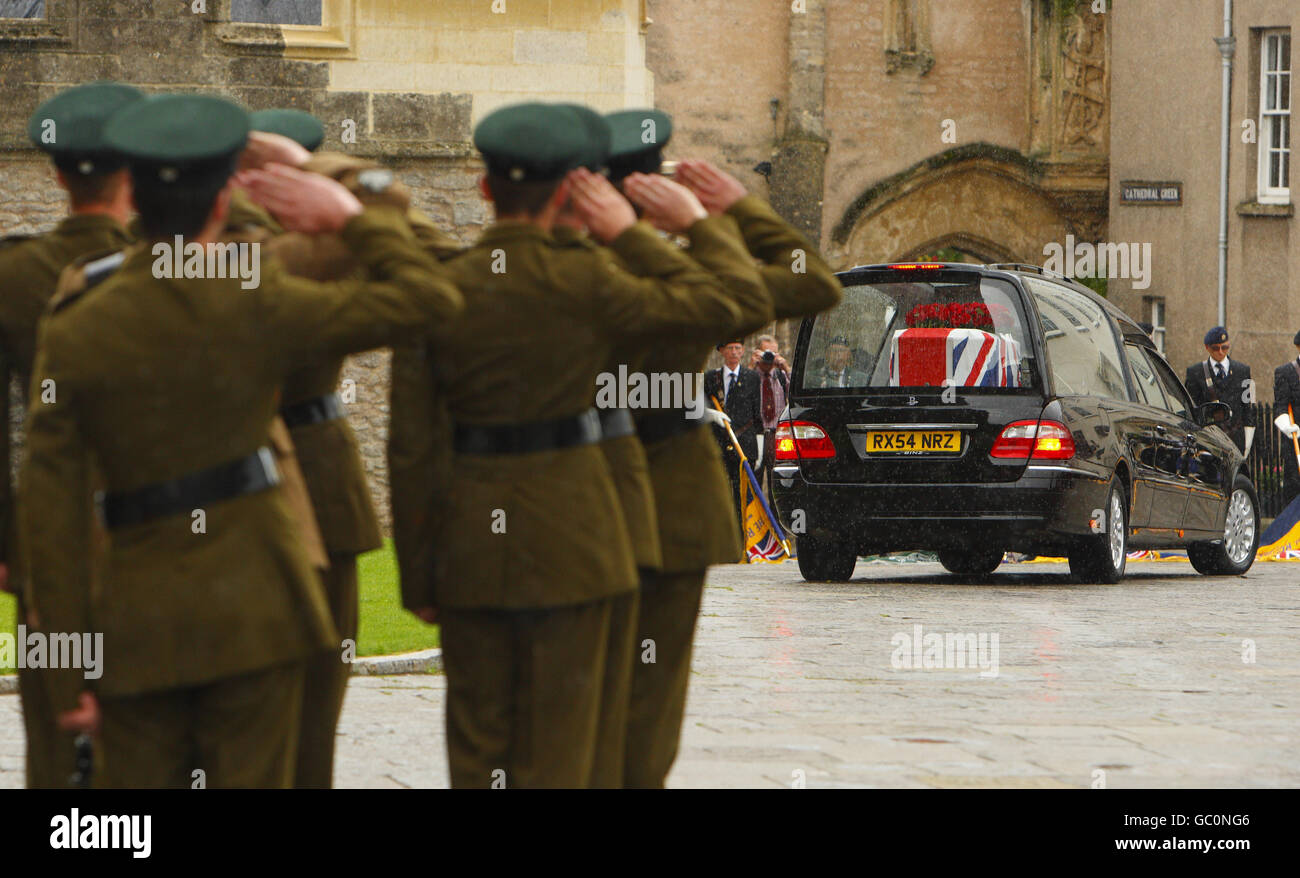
(1141, 684)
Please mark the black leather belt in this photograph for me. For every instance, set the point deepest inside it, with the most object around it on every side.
(583, 429)
(616, 423)
(657, 426)
(316, 410)
(225, 481)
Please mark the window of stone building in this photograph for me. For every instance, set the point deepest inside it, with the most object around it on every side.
(292, 12)
(1275, 117)
(22, 8)
(1155, 311)
(907, 36)
(310, 28)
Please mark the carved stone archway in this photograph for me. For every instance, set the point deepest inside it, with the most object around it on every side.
(982, 199)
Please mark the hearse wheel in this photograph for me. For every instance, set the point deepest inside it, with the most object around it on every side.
(1102, 558)
(971, 562)
(825, 560)
(1233, 555)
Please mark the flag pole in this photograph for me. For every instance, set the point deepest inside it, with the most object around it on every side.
(735, 443)
(1295, 439)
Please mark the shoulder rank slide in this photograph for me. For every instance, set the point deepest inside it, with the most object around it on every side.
(78, 278)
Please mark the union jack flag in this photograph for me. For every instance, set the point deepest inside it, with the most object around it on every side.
(936, 357)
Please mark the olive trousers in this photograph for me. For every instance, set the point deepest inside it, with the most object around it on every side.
(327, 680)
(526, 690)
(51, 757)
(236, 732)
(670, 605)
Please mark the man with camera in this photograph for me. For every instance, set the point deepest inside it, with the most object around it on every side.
(774, 387)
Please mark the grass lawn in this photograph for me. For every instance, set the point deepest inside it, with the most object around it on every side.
(385, 627)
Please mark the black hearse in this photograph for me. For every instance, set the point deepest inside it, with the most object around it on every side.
(974, 410)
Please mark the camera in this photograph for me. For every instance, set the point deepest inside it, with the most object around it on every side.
(768, 357)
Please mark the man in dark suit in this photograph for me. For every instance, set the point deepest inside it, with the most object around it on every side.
(1219, 379)
(737, 388)
(1286, 393)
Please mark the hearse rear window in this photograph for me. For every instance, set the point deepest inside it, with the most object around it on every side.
(969, 334)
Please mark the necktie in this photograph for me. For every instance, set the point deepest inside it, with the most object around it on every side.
(731, 385)
(1218, 371)
(769, 400)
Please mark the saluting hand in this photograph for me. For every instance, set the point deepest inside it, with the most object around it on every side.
(666, 205)
(599, 205)
(301, 201)
(716, 189)
(265, 148)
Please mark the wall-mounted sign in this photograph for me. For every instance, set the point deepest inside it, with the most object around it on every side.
(1145, 192)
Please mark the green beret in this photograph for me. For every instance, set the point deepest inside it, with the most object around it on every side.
(187, 139)
(639, 137)
(301, 127)
(70, 126)
(596, 156)
(532, 142)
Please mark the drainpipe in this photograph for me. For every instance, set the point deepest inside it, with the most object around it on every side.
(1227, 47)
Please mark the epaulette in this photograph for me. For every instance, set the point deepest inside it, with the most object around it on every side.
(89, 271)
(99, 269)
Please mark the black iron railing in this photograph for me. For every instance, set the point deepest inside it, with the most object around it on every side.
(1265, 461)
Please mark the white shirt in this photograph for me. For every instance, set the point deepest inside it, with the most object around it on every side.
(1226, 364)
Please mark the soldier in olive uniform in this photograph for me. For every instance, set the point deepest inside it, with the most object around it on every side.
(211, 606)
(69, 128)
(627, 467)
(697, 526)
(627, 460)
(325, 443)
(507, 524)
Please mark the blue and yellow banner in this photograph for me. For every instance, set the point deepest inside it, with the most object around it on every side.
(764, 539)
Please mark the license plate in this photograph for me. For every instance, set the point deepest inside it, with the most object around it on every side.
(914, 442)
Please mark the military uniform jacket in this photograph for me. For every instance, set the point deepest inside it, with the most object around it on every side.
(797, 278)
(697, 526)
(626, 457)
(327, 451)
(29, 274)
(1230, 390)
(160, 378)
(542, 320)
